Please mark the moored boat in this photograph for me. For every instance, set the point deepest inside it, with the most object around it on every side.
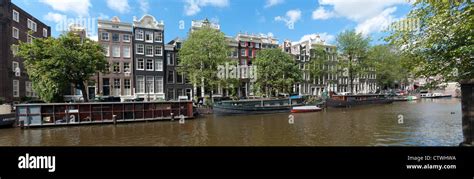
(7, 120)
(435, 95)
(305, 109)
(256, 106)
(360, 99)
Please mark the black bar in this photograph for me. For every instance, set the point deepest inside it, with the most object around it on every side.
(240, 161)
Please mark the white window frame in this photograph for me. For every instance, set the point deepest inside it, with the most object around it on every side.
(140, 86)
(116, 90)
(29, 38)
(160, 35)
(137, 46)
(152, 65)
(159, 84)
(245, 52)
(104, 34)
(118, 34)
(127, 88)
(17, 34)
(159, 64)
(115, 53)
(16, 88)
(150, 89)
(15, 65)
(32, 25)
(142, 61)
(169, 61)
(146, 50)
(139, 33)
(16, 16)
(28, 91)
(150, 33)
(125, 65)
(128, 54)
(158, 47)
(45, 32)
(107, 49)
(126, 35)
(114, 64)
(14, 49)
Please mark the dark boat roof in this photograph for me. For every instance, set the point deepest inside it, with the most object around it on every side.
(361, 95)
(253, 100)
(140, 102)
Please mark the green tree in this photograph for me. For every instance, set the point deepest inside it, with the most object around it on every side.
(276, 72)
(201, 54)
(389, 65)
(53, 64)
(353, 47)
(441, 44)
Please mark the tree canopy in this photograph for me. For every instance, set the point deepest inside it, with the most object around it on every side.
(53, 64)
(276, 72)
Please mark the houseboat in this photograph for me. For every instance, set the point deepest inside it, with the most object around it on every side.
(60, 114)
(7, 117)
(360, 99)
(256, 106)
(305, 109)
(435, 95)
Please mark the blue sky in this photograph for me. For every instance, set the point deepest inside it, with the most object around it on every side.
(294, 20)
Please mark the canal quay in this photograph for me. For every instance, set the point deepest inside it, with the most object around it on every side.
(425, 122)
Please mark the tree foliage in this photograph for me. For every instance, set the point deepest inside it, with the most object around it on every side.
(389, 65)
(276, 72)
(441, 43)
(53, 64)
(353, 47)
(201, 54)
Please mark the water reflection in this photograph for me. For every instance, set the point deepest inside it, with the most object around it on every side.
(432, 122)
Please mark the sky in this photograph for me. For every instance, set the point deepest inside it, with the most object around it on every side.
(293, 20)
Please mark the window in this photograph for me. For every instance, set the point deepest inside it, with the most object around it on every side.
(150, 88)
(149, 50)
(126, 67)
(149, 36)
(15, 32)
(169, 60)
(104, 36)
(116, 87)
(243, 44)
(14, 49)
(16, 16)
(116, 51)
(170, 76)
(158, 37)
(158, 65)
(159, 84)
(29, 39)
(149, 64)
(171, 94)
(179, 78)
(106, 50)
(235, 53)
(28, 89)
(14, 66)
(139, 35)
(158, 50)
(126, 51)
(126, 37)
(45, 32)
(31, 25)
(116, 67)
(127, 86)
(140, 49)
(243, 52)
(140, 84)
(16, 88)
(140, 64)
(257, 45)
(115, 37)
(106, 87)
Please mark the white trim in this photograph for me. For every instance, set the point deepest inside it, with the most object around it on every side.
(16, 88)
(17, 17)
(17, 34)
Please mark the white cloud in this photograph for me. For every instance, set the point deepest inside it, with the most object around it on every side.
(120, 6)
(377, 23)
(271, 3)
(269, 34)
(292, 16)
(80, 7)
(369, 14)
(103, 16)
(322, 14)
(55, 17)
(144, 6)
(192, 7)
(328, 38)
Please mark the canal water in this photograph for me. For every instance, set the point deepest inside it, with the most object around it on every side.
(426, 122)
